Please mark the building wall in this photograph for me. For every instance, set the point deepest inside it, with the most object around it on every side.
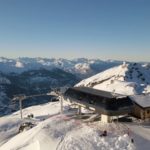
(142, 113)
(147, 113)
(105, 118)
(137, 111)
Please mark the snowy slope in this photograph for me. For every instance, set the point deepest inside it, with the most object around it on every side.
(127, 79)
(58, 132)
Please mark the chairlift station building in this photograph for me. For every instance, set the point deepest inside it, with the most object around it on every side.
(105, 103)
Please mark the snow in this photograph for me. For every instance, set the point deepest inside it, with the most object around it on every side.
(120, 87)
(58, 131)
(83, 68)
(147, 89)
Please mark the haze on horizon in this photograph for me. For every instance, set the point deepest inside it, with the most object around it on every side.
(103, 29)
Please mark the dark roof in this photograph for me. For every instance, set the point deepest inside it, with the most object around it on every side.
(96, 92)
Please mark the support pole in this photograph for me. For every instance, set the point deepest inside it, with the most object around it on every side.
(20, 104)
(105, 118)
(79, 110)
(61, 104)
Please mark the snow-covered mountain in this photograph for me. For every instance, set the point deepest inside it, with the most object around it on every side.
(127, 79)
(81, 66)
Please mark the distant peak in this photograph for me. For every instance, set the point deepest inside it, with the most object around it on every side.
(19, 64)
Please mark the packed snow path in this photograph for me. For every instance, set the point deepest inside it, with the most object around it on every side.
(141, 135)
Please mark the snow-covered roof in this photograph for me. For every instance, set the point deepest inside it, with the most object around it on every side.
(141, 100)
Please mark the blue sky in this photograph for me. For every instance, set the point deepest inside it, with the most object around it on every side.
(105, 29)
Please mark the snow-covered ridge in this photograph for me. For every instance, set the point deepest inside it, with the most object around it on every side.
(127, 79)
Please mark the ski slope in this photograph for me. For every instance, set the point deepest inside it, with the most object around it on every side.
(57, 131)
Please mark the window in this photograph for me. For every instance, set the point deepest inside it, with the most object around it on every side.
(148, 111)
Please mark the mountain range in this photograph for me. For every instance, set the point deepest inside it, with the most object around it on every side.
(80, 66)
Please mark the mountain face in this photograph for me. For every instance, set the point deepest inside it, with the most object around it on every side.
(4, 100)
(31, 83)
(126, 79)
